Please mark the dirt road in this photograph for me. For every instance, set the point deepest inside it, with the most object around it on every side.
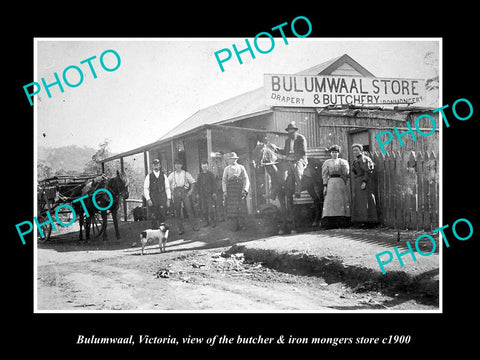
(193, 274)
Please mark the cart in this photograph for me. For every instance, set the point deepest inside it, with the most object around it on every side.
(59, 190)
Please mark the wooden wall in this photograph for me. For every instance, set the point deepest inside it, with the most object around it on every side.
(407, 184)
(406, 199)
(325, 128)
(163, 153)
(305, 120)
(262, 122)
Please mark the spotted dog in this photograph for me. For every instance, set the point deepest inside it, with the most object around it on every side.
(160, 234)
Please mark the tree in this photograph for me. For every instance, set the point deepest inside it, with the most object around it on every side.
(135, 178)
(61, 172)
(43, 171)
(95, 167)
(431, 60)
(432, 83)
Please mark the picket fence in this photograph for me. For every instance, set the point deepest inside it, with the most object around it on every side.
(407, 185)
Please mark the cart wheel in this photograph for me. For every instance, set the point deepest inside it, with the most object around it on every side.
(47, 230)
(97, 226)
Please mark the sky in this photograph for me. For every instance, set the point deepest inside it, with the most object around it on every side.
(161, 82)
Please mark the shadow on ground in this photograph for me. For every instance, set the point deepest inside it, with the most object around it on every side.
(386, 236)
(206, 238)
(423, 287)
(222, 235)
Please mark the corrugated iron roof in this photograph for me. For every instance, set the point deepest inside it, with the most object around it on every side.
(253, 102)
(248, 103)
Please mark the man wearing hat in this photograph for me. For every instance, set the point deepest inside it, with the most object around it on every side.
(182, 184)
(235, 185)
(156, 190)
(295, 149)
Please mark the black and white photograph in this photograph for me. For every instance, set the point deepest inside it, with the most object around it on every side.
(218, 175)
(220, 181)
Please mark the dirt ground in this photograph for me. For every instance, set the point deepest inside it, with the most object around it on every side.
(196, 273)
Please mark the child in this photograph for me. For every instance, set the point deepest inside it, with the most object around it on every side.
(207, 194)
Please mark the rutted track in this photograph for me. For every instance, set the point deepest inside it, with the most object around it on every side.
(193, 280)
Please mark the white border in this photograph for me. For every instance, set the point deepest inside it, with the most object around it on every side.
(35, 182)
(440, 174)
(35, 114)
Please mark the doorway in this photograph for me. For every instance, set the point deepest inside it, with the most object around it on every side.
(360, 136)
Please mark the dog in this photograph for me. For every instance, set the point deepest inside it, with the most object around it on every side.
(153, 234)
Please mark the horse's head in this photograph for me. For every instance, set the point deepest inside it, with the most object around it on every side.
(257, 154)
(264, 154)
(121, 184)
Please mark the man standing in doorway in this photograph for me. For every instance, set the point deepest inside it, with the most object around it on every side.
(156, 190)
(183, 184)
(296, 151)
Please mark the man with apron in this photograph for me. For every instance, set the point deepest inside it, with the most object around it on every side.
(235, 184)
(182, 184)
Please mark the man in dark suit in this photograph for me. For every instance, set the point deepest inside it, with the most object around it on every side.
(156, 190)
(295, 149)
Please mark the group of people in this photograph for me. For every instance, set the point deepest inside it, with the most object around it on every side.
(229, 199)
(338, 208)
(162, 191)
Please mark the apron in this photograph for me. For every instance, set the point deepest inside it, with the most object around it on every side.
(235, 205)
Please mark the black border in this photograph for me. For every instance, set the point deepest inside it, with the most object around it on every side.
(56, 333)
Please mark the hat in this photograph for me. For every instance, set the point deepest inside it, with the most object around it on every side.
(232, 155)
(291, 126)
(156, 161)
(334, 148)
(357, 145)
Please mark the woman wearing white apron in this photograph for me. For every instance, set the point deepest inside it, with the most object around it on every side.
(336, 205)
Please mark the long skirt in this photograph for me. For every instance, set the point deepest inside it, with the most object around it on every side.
(235, 205)
(364, 208)
(337, 201)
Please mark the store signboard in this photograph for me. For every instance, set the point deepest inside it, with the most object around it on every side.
(320, 91)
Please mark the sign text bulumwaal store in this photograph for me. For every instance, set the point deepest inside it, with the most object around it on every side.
(319, 91)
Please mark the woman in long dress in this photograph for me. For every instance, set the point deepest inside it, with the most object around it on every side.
(364, 207)
(336, 205)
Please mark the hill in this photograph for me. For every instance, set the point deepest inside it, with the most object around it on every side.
(71, 158)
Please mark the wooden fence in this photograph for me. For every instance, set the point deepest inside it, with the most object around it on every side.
(407, 186)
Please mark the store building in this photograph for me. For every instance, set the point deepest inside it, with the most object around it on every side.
(236, 124)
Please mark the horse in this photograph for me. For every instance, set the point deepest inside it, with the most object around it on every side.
(283, 182)
(117, 186)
